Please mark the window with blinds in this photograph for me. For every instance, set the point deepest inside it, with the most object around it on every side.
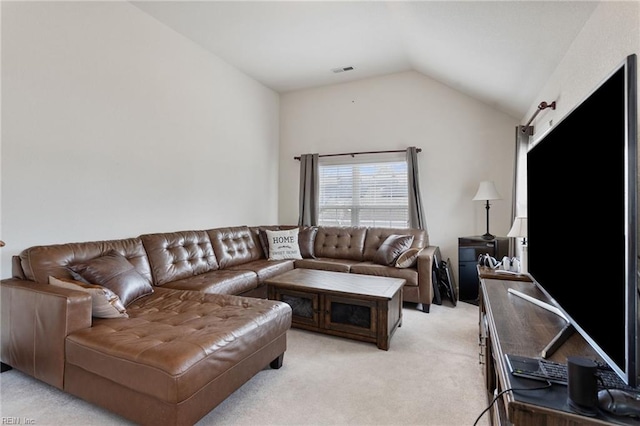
(363, 194)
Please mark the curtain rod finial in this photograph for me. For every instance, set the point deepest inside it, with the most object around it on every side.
(544, 105)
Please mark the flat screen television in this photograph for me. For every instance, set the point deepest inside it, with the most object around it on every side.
(582, 208)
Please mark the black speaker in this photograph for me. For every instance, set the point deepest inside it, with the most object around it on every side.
(582, 385)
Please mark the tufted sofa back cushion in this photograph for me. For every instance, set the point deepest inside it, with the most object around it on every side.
(39, 262)
(340, 242)
(234, 246)
(177, 255)
(376, 236)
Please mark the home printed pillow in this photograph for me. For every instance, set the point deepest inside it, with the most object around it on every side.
(283, 244)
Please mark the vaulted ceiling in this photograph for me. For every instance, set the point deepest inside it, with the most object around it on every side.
(500, 52)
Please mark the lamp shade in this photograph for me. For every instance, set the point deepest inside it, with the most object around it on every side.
(487, 191)
(519, 228)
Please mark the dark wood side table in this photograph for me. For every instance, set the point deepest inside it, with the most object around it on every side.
(469, 248)
(509, 324)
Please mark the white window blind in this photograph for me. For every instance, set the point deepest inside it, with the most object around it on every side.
(371, 193)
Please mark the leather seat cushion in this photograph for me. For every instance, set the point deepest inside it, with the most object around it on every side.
(369, 268)
(222, 281)
(175, 342)
(265, 268)
(327, 264)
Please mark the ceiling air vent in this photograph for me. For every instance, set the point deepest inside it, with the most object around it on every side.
(337, 70)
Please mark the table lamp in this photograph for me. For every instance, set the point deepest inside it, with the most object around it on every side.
(519, 230)
(487, 191)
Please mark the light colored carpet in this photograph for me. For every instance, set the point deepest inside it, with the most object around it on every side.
(429, 376)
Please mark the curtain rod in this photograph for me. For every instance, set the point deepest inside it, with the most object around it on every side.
(360, 153)
(543, 105)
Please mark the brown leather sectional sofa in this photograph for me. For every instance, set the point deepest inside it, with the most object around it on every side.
(203, 329)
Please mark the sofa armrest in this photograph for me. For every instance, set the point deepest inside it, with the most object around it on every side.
(36, 319)
(425, 266)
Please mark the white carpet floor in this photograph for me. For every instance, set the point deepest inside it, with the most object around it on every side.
(429, 376)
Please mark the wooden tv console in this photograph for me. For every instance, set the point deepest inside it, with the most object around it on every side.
(509, 324)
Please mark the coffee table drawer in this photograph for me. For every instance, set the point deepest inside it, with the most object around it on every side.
(305, 306)
(350, 315)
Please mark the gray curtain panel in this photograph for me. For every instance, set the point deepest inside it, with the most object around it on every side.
(416, 212)
(519, 178)
(519, 171)
(308, 190)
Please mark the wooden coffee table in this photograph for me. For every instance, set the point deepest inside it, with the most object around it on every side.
(361, 307)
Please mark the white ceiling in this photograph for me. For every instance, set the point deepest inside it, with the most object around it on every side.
(500, 52)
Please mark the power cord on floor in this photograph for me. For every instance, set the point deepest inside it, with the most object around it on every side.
(547, 386)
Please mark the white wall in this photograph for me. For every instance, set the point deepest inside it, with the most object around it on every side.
(463, 142)
(114, 125)
(612, 33)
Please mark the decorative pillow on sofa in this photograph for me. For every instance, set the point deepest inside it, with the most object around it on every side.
(264, 240)
(104, 302)
(391, 249)
(116, 273)
(264, 244)
(77, 277)
(283, 244)
(306, 241)
(408, 258)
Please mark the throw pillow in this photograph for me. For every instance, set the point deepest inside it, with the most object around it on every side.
(76, 276)
(264, 242)
(408, 258)
(283, 244)
(306, 241)
(104, 302)
(116, 273)
(391, 248)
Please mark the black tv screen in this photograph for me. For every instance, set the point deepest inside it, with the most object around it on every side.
(582, 218)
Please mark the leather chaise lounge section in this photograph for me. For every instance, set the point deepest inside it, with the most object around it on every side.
(175, 358)
(205, 330)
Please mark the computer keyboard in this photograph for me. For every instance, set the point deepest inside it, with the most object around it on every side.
(542, 369)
